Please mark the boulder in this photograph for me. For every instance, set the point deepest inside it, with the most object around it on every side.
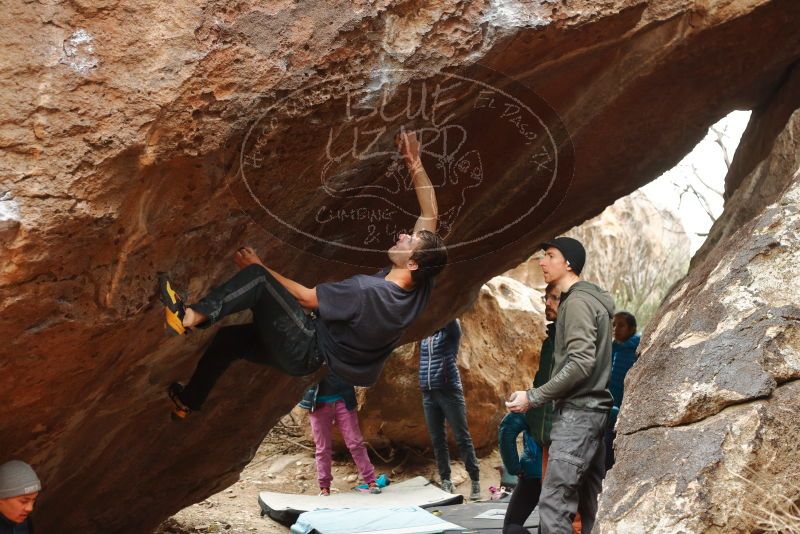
(147, 136)
(733, 472)
(706, 444)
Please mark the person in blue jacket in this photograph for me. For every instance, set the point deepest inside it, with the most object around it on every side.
(623, 356)
(443, 400)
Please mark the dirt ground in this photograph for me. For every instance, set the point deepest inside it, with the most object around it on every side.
(285, 463)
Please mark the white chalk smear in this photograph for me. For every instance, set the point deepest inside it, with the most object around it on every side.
(79, 52)
(9, 209)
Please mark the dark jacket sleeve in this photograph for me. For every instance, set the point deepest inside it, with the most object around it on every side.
(510, 427)
(454, 331)
(580, 329)
(309, 398)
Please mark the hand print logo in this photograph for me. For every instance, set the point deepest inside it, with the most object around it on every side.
(498, 158)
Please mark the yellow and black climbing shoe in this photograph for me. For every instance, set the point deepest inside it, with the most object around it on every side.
(180, 411)
(174, 310)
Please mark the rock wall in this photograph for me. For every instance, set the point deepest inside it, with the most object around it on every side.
(129, 127)
(707, 428)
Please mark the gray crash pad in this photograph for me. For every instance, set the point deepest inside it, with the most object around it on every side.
(372, 520)
(418, 491)
(466, 516)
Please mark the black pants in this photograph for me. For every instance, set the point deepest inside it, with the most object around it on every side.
(281, 334)
(609, 438)
(523, 500)
(442, 405)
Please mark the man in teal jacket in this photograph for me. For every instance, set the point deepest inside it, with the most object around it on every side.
(579, 389)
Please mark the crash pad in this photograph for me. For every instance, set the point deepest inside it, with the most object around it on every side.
(373, 520)
(483, 517)
(418, 491)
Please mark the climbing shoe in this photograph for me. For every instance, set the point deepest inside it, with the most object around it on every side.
(180, 411)
(174, 310)
(324, 492)
(374, 488)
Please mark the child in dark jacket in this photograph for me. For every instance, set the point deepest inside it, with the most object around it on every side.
(334, 400)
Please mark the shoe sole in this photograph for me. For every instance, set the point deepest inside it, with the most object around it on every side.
(170, 298)
(179, 411)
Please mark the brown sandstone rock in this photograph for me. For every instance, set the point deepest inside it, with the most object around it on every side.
(121, 138)
(763, 164)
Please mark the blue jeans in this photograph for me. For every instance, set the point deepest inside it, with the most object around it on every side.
(442, 405)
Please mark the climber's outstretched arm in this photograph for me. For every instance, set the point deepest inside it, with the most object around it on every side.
(409, 145)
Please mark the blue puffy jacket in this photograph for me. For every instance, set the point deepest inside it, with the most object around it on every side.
(623, 356)
(437, 358)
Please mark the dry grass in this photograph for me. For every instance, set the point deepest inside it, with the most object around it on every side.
(771, 504)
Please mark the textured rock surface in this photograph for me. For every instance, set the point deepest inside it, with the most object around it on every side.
(728, 332)
(721, 475)
(727, 335)
(502, 337)
(764, 162)
(122, 130)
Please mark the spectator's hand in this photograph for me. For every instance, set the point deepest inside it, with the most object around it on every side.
(518, 402)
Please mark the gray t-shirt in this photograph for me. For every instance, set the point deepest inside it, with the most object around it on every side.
(361, 319)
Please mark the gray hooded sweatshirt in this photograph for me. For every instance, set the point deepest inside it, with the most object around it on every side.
(582, 354)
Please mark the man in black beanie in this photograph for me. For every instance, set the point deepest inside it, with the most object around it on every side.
(19, 487)
(578, 386)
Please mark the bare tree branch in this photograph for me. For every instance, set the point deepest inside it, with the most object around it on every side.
(719, 138)
(699, 177)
